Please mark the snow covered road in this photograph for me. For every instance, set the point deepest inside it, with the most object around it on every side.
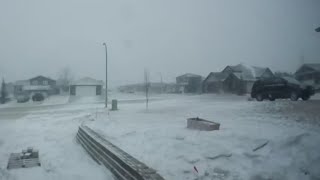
(52, 130)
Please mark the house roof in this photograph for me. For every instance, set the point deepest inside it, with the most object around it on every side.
(216, 76)
(248, 72)
(42, 77)
(315, 66)
(87, 81)
(189, 75)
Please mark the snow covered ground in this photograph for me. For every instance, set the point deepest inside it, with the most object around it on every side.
(159, 137)
(51, 130)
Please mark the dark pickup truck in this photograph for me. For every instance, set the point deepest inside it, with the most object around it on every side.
(281, 88)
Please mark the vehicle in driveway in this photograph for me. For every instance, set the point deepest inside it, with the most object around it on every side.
(281, 88)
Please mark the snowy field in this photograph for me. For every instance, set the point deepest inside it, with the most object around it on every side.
(159, 137)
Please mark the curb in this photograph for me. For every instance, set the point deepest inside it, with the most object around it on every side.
(121, 164)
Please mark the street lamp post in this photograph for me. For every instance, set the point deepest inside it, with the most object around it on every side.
(106, 100)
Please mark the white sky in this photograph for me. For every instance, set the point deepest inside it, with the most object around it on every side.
(39, 37)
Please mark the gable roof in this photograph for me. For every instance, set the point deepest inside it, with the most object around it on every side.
(216, 77)
(87, 81)
(41, 77)
(245, 72)
(315, 66)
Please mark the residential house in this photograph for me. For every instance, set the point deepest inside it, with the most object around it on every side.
(38, 84)
(237, 79)
(309, 74)
(86, 87)
(189, 83)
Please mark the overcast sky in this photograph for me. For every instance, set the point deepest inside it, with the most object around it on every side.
(171, 37)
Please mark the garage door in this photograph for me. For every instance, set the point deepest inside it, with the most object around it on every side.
(86, 91)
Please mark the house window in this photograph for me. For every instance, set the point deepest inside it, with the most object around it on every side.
(34, 83)
(45, 82)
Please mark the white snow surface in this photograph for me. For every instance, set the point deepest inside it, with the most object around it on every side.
(159, 138)
(51, 130)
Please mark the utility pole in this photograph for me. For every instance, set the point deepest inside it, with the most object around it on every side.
(106, 101)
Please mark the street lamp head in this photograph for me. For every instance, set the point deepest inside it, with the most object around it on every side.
(104, 44)
(317, 29)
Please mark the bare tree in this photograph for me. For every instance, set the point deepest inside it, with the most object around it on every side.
(3, 93)
(146, 86)
(65, 78)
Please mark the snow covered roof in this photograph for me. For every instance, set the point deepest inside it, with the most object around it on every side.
(87, 81)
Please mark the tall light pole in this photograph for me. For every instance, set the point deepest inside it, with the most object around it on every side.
(106, 102)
